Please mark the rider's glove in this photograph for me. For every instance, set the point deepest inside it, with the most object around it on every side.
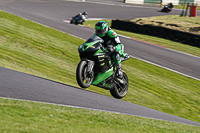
(111, 49)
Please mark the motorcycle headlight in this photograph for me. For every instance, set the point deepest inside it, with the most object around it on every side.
(80, 48)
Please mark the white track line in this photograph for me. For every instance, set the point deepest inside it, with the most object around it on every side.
(166, 68)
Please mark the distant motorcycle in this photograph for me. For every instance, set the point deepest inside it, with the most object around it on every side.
(167, 8)
(79, 19)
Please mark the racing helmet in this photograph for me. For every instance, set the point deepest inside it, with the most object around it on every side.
(101, 28)
(85, 13)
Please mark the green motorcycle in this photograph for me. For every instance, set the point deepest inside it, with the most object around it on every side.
(97, 68)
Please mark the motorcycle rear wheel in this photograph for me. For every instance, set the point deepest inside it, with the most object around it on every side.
(118, 92)
(82, 77)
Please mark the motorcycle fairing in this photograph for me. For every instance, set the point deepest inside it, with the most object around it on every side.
(103, 68)
(102, 76)
(91, 46)
(107, 84)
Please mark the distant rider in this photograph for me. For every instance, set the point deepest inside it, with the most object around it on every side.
(78, 15)
(85, 14)
(82, 16)
(170, 5)
(112, 43)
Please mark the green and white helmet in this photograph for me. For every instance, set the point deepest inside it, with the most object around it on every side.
(101, 28)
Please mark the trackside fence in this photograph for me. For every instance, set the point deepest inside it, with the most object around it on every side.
(162, 32)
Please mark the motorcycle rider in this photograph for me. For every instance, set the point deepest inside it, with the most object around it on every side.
(168, 7)
(85, 14)
(112, 43)
(78, 15)
(82, 16)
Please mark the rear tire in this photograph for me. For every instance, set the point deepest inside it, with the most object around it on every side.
(82, 77)
(118, 92)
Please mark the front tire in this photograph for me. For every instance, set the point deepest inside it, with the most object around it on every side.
(84, 79)
(72, 21)
(120, 92)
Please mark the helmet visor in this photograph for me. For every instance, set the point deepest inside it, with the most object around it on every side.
(99, 31)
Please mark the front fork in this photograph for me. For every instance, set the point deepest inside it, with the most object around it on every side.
(90, 67)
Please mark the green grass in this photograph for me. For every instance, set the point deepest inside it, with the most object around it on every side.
(22, 116)
(45, 52)
(38, 50)
(151, 39)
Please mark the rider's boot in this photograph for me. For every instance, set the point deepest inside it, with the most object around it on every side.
(125, 56)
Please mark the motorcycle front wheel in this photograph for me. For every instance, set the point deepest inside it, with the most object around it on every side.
(72, 21)
(120, 91)
(84, 78)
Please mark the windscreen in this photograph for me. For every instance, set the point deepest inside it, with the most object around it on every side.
(94, 38)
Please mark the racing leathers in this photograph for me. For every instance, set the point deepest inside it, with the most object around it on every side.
(113, 44)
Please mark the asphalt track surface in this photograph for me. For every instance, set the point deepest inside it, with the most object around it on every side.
(23, 86)
(52, 13)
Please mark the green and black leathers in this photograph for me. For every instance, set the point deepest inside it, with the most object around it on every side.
(111, 38)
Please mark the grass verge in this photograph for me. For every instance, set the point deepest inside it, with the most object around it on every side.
(22, 116)
(45, 52)
(175, 22)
